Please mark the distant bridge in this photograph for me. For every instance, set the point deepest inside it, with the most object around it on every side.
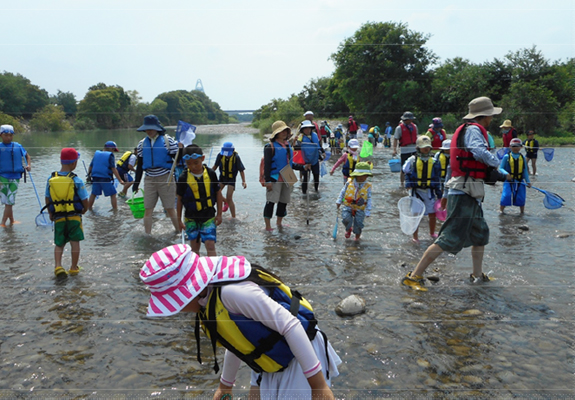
(238, 111)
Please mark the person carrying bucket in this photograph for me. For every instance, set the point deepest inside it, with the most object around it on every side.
(356, 199)
(423, 176)
(11, 170)
(125, 165)
(66, 201)
(471, 165)
(156, 153)
(250, 312)
(514, 192)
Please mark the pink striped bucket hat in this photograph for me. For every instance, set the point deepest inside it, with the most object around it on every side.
(175, 276)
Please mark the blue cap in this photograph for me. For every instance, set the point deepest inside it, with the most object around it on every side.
(227, 149)
(111, 144)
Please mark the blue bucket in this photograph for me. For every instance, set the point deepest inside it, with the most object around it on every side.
(395, 165)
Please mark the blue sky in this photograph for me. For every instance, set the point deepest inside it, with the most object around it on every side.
(249, 52)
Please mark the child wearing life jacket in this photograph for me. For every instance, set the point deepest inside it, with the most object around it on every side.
(11, 170)
(199, 194)
(66, 201)
(229, 163)
(422, 175)
(442, 158)
(531, 148)
(436, 133)
(339, 137)
(243, 307)
(125, 165)
(356, 199)
(514, 192)
(102, 170)
(387, 135)
(348, 160)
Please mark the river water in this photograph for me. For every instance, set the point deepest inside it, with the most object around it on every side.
(88, 337)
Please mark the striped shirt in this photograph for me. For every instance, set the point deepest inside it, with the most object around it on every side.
(173, 149)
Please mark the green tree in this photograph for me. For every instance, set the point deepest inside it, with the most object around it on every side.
(190, 106)
(10, 120)
(67, 100)
(383, 70)
(107, 106)
(51, 118)
(321, 96)
(289, 111)
(19, 97)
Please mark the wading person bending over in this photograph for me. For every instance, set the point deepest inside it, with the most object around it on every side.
(471, 165)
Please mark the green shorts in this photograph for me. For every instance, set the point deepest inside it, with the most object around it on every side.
(8, 190)
(68, 230)
(464, 226)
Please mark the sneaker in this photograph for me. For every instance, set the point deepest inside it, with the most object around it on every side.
(225, 207)
(348, 233)
(414, 282)
(483, 278)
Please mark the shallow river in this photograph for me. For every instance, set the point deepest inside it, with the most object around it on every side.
(88, 337)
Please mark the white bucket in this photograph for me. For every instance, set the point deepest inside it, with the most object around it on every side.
(411, 211)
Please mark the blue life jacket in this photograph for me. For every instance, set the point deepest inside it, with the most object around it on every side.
(310, 149)
(101, 164)
(11, 159)
(280, 158)
(156, 156)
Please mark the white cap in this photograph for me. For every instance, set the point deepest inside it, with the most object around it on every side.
(307, 113)
(353, 143)
(7, 129)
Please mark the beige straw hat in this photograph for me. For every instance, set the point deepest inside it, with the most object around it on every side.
(277, 127)
(482, 107)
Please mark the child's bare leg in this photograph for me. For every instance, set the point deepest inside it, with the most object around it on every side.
(230, 200)
(75, 255)
(8, 215)
(268, 224)
(58, 251)
(501, 209)
(522, 209)
(534, 165)
(210, 248)
(174, 217)
(279, 221)
(432, 222)
(91, 201)
(416, 235)
(195, 245)
(114, 202)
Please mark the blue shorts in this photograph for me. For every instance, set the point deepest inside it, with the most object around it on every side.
(206, 230)
(106, 187)
(127, 177)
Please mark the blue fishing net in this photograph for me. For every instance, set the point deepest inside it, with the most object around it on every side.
(553, 201)
(548, 153)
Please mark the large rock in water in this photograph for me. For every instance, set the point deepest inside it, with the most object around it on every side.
(351, 305)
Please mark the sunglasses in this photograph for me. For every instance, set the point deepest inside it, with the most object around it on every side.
(193, 156)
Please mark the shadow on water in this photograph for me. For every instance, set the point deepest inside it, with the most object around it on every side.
(88, 335)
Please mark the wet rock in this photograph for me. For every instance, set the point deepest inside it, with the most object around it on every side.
(563, 235)
(423, 363)
(351, 305)
(297, 237)
(472, 379)
(523, 227)
(472, 312)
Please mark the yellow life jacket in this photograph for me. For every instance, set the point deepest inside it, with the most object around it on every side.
(228, 165)
(63, 194)
(355, 199)
(517, 167)
(263, 349)
(424, 170)
(122, 162)
(201, 190)
(444, 162)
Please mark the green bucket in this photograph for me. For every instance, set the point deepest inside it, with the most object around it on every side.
(137, 206)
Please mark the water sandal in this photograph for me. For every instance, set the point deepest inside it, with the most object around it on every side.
(225, 207)
(74, 271)
(60, 272)
(483, 278)
(414, 282)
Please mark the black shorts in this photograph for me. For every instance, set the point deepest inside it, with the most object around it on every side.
(405, 156)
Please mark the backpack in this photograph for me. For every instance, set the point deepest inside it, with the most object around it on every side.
(262, 175)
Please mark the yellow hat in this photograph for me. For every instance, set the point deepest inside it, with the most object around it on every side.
(507, 124)
(277, 127)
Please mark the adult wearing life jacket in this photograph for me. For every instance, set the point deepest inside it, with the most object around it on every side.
(514, 191)
(253, 314)
(471, 164)
(156, 153)
(531, 149)
(125, 165)
(508, 132)
(309, 144)
(102, 170)
(352, 128)
(404, 138)
(229, 162)
(436, 133)
(277, 155)
(11, 170)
